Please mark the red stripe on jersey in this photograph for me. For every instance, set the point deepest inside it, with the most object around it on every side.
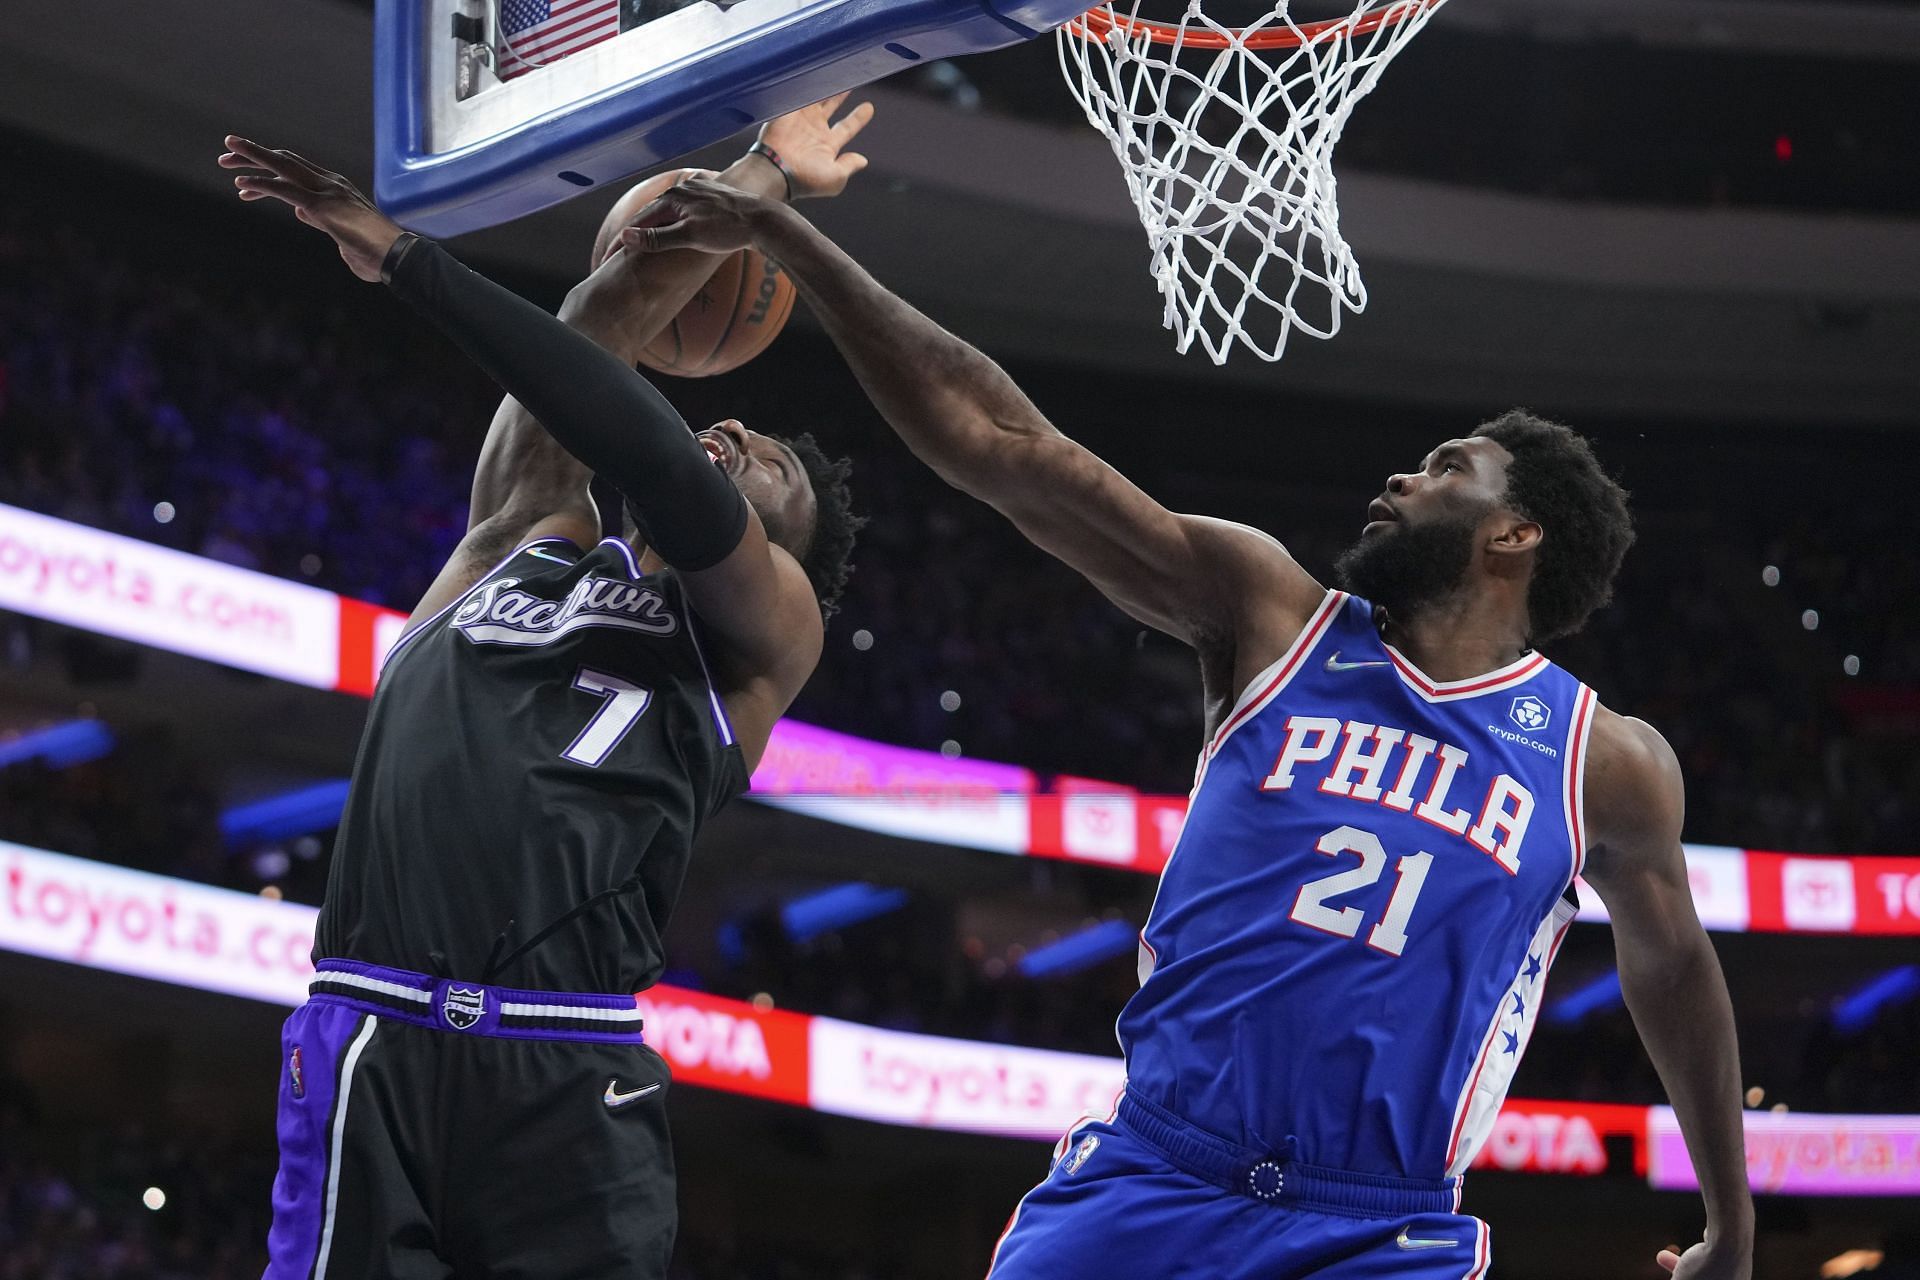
(1457, 689)
(1576, 764)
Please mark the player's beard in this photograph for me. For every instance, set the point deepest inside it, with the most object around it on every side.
(1405, 567)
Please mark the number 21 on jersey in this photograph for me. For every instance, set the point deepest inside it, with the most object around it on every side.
(1390, 934)
(625, 703)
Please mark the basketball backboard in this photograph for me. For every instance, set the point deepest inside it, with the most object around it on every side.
(486, 110)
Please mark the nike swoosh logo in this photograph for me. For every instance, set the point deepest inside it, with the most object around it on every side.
(616, 1100)
(1406, 1241)
(548, 555)
(1334, 663)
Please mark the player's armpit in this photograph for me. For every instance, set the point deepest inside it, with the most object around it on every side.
(491, 541)
(524, 470)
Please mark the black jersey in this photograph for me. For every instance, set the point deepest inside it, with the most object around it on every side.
(550, 738)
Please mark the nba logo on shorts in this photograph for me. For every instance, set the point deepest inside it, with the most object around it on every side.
(296, 1079)
(462, 1008)
(1530, 713)
(1088, 1145)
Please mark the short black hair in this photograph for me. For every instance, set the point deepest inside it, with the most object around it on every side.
(829, 552)
(1555, 480)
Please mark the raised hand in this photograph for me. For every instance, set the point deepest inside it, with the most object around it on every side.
(320, 198)
(813, 146)
(701, 214)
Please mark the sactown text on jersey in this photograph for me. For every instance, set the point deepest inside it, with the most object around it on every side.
(498, 614)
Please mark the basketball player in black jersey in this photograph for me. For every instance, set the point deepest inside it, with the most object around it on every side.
(467, 1092)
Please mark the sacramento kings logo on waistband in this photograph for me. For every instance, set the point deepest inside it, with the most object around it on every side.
(498, 614)
(462, 1008)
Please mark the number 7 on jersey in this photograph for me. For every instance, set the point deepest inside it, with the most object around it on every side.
(625, 703)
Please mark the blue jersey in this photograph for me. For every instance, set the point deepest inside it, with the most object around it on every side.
(1351, 937)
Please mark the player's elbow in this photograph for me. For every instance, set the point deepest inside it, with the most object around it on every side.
(1658, 961)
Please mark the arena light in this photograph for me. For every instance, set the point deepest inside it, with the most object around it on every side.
(840, 907)
(1602, 993)
(1856, 1010)
(300, 812)
(1082, 950)
(59, 746)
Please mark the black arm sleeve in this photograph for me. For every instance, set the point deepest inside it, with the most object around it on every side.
(603, 413)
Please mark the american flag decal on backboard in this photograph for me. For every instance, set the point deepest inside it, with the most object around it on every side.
(538, 33)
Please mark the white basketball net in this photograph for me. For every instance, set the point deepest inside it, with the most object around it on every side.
(1228, 153)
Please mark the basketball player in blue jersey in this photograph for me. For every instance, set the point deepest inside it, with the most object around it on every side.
(1348, 948)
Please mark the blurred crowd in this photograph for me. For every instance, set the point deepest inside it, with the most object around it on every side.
(123, 1204)
(268, 427)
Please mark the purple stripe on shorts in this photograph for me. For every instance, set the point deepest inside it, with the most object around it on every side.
(312, 1044)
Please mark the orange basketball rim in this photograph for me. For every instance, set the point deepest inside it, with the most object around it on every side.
(1101, 22)
(1230, 164)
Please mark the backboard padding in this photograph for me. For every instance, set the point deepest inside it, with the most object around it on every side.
(444, 166)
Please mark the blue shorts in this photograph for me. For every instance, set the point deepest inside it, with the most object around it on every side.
(1145, 1196)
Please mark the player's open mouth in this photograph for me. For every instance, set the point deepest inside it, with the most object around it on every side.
(718, 449)
(1378, 512)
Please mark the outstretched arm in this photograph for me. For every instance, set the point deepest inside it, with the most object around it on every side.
(1193, 577)
(1670, 977)
(753, 595)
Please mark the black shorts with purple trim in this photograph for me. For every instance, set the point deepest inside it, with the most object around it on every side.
(431, 1128)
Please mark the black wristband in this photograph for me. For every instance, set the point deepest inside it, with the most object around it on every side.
(395, 253)
(760, 148)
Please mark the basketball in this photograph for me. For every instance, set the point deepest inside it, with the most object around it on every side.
(735, 314)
